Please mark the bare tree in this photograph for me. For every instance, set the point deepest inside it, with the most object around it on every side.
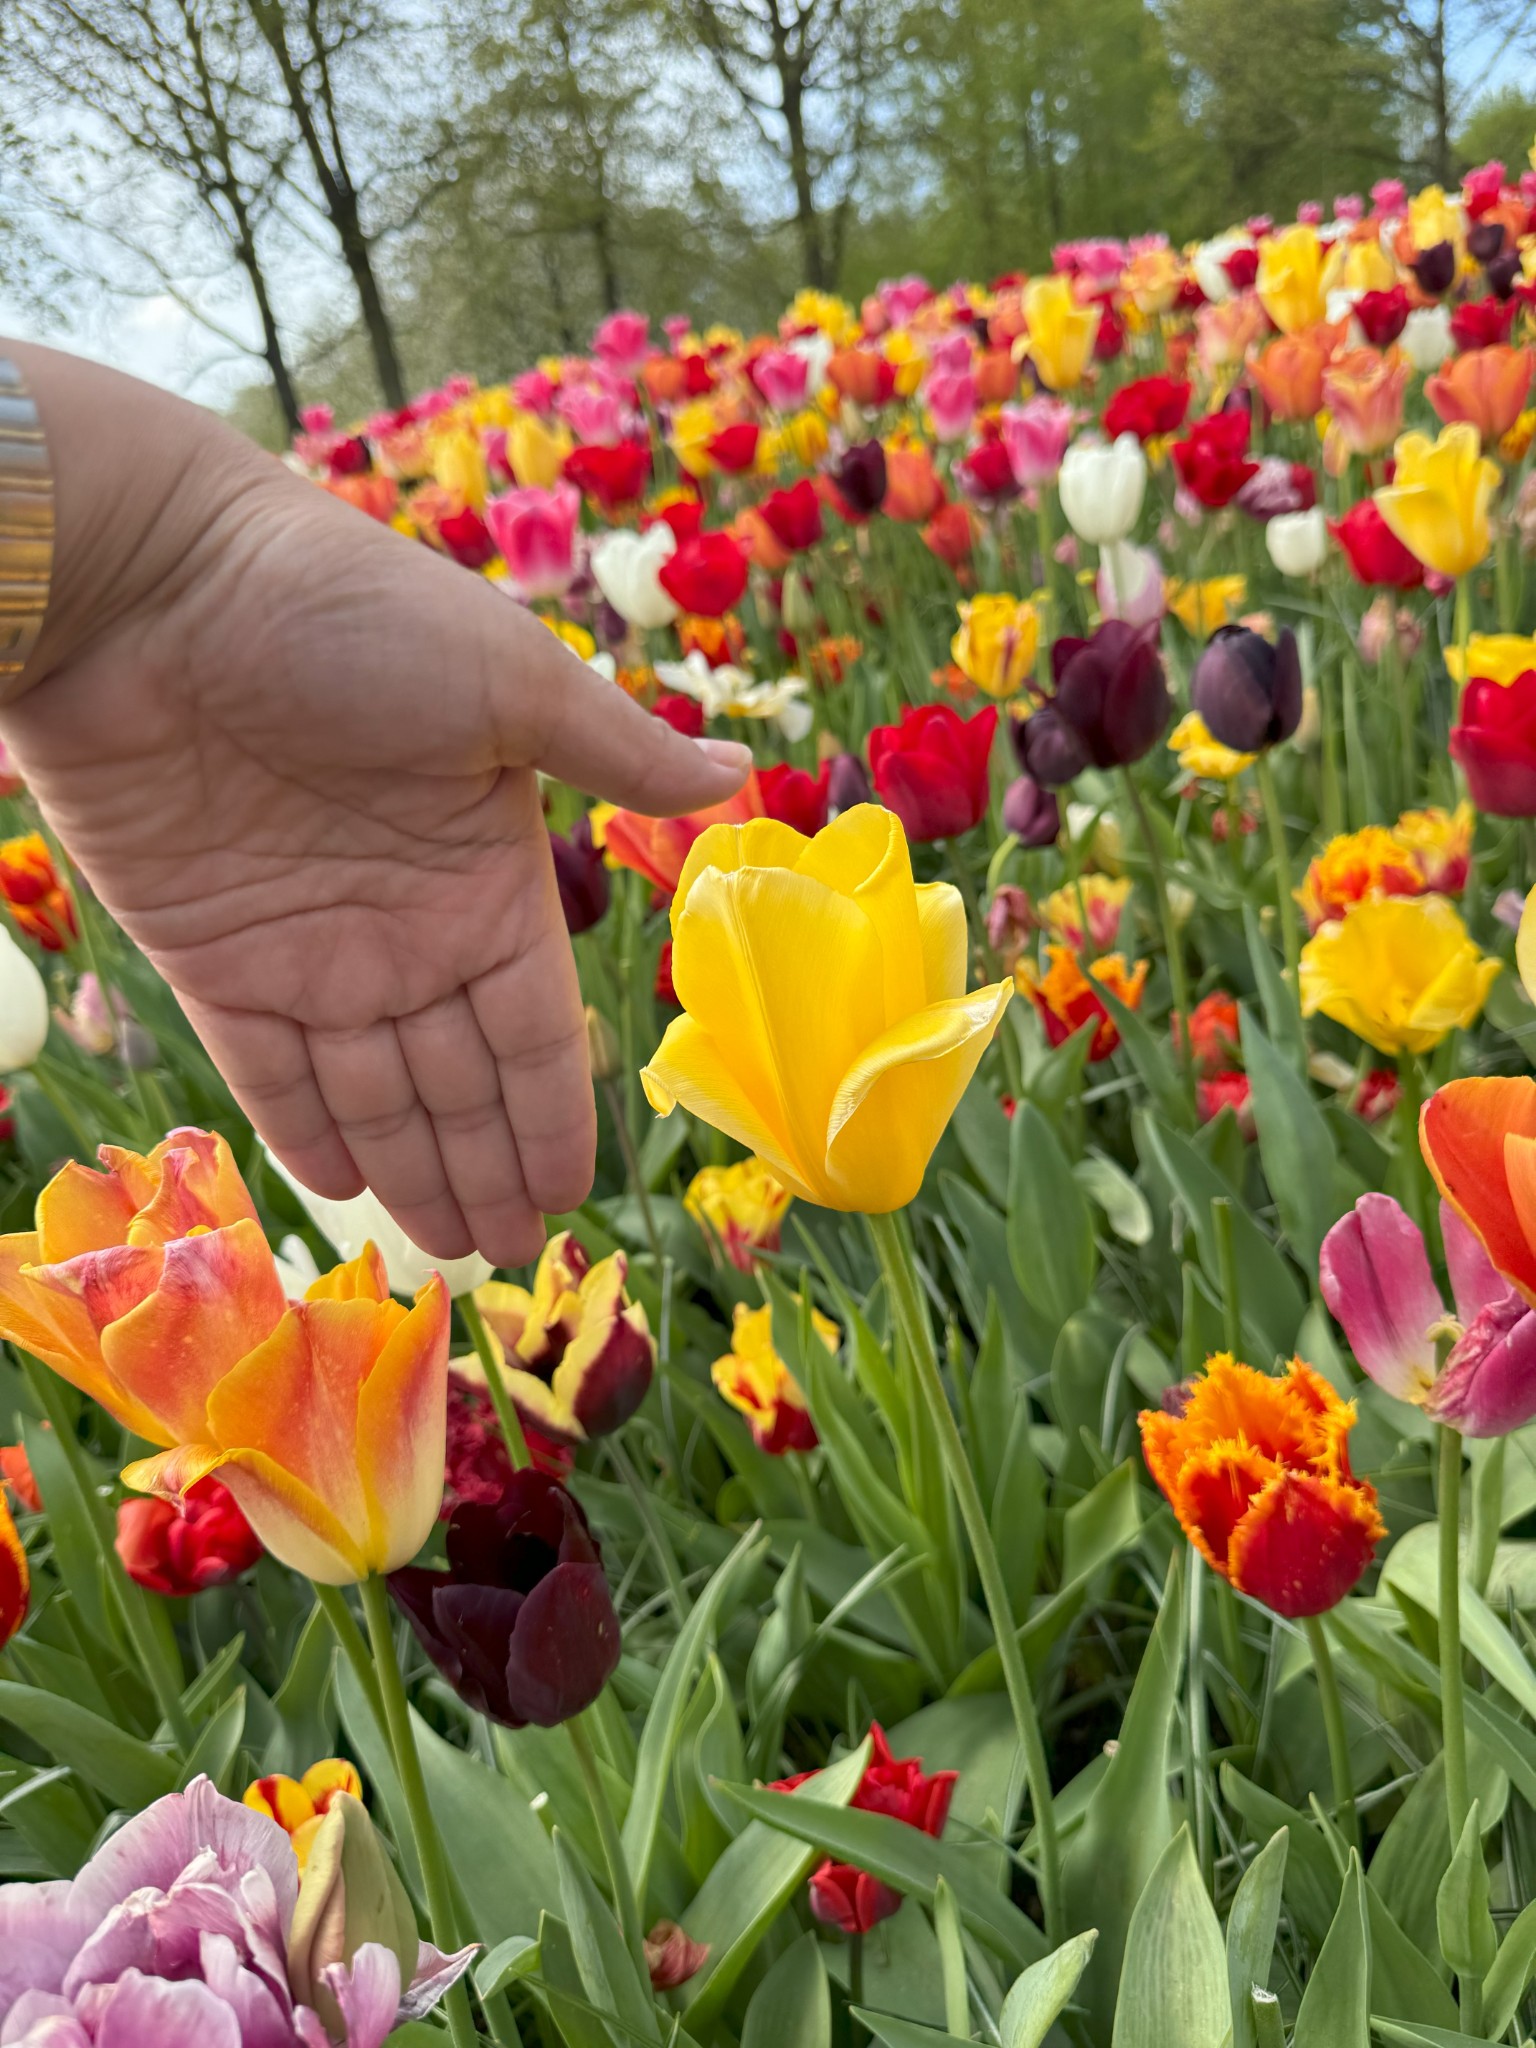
(174, 81)
(804, 72)
(1451, 49)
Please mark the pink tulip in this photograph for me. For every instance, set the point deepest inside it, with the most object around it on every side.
(1310, 213)
(1376, 1281)
(677, 327)
(594, 415)
(1036, 437)
(780, 375)
(951, 399)
(1389, 195)
(534, 391)
(1349, 206)
(175, 1932)
(622, 340)
(1130, 583)
(317, 419)
(903, 296)
(535, 531)
(951, 352)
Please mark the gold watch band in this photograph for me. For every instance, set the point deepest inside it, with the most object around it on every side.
(26, 526)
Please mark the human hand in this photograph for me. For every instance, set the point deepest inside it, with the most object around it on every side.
(294, 753)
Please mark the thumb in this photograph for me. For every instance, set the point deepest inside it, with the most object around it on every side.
(563, 717)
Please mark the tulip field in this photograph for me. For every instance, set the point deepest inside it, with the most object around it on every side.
(1009, 1516)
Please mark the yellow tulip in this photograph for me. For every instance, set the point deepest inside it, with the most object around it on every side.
(995, 646)
(1432, 218)
(535, 455)
(906, 358)
(1400, 972)
(1496, 657)
(1202, 607)
(1061, 332)
(1296, 272)
(1368, 268)
(834, 316)
(1437, 504)
(693, 428)
(459, 466)
(827, 1025)
(1202, 755)
(743, 1205)
(802, 438)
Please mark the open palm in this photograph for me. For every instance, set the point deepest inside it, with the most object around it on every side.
(300, 770)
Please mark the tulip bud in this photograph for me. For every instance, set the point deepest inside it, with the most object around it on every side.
(797, 607)
(1435, 268)
(1101, 487)
(349, 1894)
(1298, 541)
(604, 1054)
(1504, 273)
(23, 1007)
(1053, 750)
(1031, 813)
(847, 784)
(1247, 689)
(860, 478)
(1485, 238)
(672, 1956)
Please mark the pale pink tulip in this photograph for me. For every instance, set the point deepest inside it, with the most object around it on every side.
(535, 531)
(622, 340)
(1036, 437)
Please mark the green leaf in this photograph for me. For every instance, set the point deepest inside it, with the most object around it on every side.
(218, 1744)
(792, 2007)
(1468, 1939)
(1401, 2035)
(1294, 1143)
(1123, 1203)
(1282, 1019)
(502, 1858)
(901, 1856)
(1153, 1061)
(946, 1928)
(515, 1957)
(1050, 1226)
(750, 1886)
(1335, 2007)
(899, 2033)
(1129, 1819)
(1404, 1982)
(1412, 1567)
(559, 1984)
(1039, 1997)
(1506, 1981)
(1412, 1857)
(1251, 1928)
(303, 1703)
(665, 1716)
(608, 1973)
(122, 1766)
(1173, 1984)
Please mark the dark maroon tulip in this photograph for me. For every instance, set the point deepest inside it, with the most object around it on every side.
(1051, 750)
(1112, 691)
(1485, 238)
(1504, 273)
(581, 875)
(859, 475)
(847, 784)
(1247, 688)
(1030, 812)
(1435, 268)
(522, 1623)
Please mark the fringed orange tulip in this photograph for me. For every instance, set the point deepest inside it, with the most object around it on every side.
(1257, 1471)
(1478, 1138)
(1067, 999)
(1486, 387)
(331, 1434)
(31, 890)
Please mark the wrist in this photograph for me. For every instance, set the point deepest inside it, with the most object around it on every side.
(139, 478)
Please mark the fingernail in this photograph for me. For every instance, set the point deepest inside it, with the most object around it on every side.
(726, 753)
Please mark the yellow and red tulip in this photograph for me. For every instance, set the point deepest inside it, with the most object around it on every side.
(756, 1381)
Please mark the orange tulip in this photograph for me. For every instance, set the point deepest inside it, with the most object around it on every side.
(1485, 386)
(1363, 390)
(1067, 999)
(331, 1435)
(1478, 1138)
(863, 375)
(913, 491)
(1225, 332)
(657, 847)
(996, 374)
(31, 890)
(1289, 373)
(1257, 1471)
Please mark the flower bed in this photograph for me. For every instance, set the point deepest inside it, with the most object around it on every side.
(1006, 1515)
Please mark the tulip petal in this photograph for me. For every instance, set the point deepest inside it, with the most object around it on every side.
(896, 1097)
(81, 1211)
(689, 1068)
(291, 1519)
(1476, 1283)
(402, 1430)
(197, 1187)
(564, 1647)
(1303, 1544)
(15, 1582)
(505, 1309)
(1215, 1490)
(361, 1279)
(1376, 1281)
(1488, 1386)
(759, 843)
(1463, 1133)
(863, 855)
(945, 938)
(54, 1326)
(218, 1296)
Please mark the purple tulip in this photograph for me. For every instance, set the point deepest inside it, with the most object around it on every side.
(859, 475)
(1031, 813)
(521, 1624)
(847, 784)
(1247, 688)
(175, 1933)
(1434, 268)
(581, 876)
(1111, 692)
(1376, 1281)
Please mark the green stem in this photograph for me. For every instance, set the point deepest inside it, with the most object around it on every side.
(125, 1598)
(429, 1846)
(1199, 1720)
(613, 1847)
(1268, 2026)
(1420, 1189)
(1048, 631)
(495, 1385)
(917, 1337)
(1452, 1706)
(1274, 818)
(1172, 945)
(1231, 1295)
(621, 1128)
(1463, 627)
(1336, 1729)
(332, 1603)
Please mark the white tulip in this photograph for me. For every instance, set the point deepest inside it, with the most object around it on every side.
(626, 567)
(1101, 487)
(1426, 340)
(352, 1224)
(1130, 583)
(1298, 541)
(1209, 264)
(23, 1007)
(816, 348)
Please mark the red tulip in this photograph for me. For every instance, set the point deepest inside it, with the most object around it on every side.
(707, 574)
(795, 798)
(932, 770)
(1483, 323)
(1150, 406)
(610, 476)
(734, 448)
(683, 714)
(183, 1547)
(1494, 745)
(465, 536)
(1373, 550)
(949, 534)
(794, 516)
(1212, 460)
(1383, 315)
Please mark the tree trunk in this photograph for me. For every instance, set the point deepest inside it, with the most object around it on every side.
(271, 340)
(1441, 89)
(812, 254)
(358, 258)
